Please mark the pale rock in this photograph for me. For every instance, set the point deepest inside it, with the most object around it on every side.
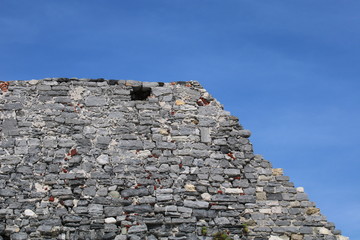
(179, 102)
(75, 202)
(39, 124)
(324, 231)
(103, 159)
(266, 210)
(76, 93)
(110, 220)
(190, 188)
(114, 194)
(300, 189)
(29, 213)
(261, 196)
(34, 82)
(206, 196)
(340, 237)
(277, 171)
(276, 210)
(233, 190)
(164, 131)
(12, 229)
(41, 188)
(278, 238)
(296, 237)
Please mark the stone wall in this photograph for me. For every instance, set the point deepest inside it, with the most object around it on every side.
(108, 159)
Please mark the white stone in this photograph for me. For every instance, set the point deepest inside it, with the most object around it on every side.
(39, 124)
(12, 229)
(341, 237)
(276, 210)
(89, 130)
(190, 188)
(179, 102)
(34, 82)
(266, 210)
(103, 159)
(164, 131)
(143, 154)
(205, 135)
(278, 238)
(233, 190)
(272, 203)
(300, 189)
(29, 213)
(110, 220)
(206, 196)
(41, 188)
(324, 231)
(76, 93)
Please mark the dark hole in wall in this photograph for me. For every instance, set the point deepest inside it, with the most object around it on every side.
(140, 93)
(61, 80)
(5, 237)
(225, 149)
(113, 82)
(97, 80)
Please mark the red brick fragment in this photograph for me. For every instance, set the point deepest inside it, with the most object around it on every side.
(4, 86)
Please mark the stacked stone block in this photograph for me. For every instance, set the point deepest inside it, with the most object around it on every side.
(116, 159)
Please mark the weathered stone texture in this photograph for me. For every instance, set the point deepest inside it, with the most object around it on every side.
(81, 160)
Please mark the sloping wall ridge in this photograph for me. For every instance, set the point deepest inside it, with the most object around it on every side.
(116, 159)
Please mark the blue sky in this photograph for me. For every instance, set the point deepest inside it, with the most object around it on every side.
(288, 69)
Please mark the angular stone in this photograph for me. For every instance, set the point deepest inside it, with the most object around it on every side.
(94, 101)
(96, 209)
(103, 159)
(110, 220)
(135, 192)
(196, 204)
(19, 236)
(114, 194)
(138, 208)
(221, 221)
(61, 192)
(7, 193)
(205, 135)
(29, 213)
(138, 228)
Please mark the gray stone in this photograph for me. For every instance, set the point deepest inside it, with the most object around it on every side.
(135, 192)
(205, 135)
(222, 221)
(94, 101)
(196, 204)
(158, 91)
(61, 192)
(19, 236)
(138, 208)
(7, 193)
(96, 209)
(137, 229)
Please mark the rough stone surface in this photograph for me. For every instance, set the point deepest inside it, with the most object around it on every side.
(80, 159)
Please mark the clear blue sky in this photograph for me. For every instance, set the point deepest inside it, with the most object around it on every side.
(288, 69)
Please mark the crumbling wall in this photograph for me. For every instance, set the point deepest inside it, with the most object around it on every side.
(108, 159)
